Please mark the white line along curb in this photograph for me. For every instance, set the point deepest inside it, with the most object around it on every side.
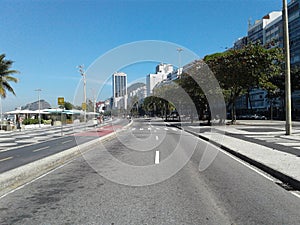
(16, 177)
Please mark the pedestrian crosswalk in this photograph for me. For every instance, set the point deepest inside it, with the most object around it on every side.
(9, 140)
(278, 140)
(152, 128)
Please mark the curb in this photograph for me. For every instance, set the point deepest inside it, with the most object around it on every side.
(295, 184)
(17, 177)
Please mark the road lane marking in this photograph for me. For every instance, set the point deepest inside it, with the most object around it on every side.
(40, 149)
(64, 142)
(133, 128)
(295, 194)
(166, 128)
(141, 128)
(32, 181)
(156, 157)
(1, 160)
(247, 165)
(156, 138)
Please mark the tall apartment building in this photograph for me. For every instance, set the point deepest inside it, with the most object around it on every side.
(119, 85)
(257, 31)
(274, 33)
(162, 72)
(136, 92)
(269, 31)
(294, 31)
(240, 43)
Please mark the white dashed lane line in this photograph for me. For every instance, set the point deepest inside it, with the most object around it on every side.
(156, 157)
(40, 149)
(1, 160)
(64, 142)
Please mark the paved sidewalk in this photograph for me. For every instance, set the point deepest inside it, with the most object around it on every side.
(260, 143)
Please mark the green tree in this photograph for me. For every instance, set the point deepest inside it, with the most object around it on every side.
(68, 106)
(240, 70)
(5, 76)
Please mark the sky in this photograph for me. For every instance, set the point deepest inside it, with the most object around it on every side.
(48, 39)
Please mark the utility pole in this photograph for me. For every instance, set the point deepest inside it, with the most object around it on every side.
(288, 114)
(82, 73)
(39, 118)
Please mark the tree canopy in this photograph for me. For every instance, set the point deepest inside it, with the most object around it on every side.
(250, 67)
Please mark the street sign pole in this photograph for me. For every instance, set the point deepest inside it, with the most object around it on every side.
(61, 102)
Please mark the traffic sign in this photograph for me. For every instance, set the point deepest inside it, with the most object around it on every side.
(83, 106)
(61, 100)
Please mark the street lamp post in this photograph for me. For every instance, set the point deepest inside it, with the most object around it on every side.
(1, 113)
(39, 117)
(82, 73)
(179, 50)
(288, 114)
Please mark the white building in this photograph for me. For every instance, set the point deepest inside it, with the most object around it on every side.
(135, 92)
(256, 32)
(119, 85)
(162, 72)
(274, 33)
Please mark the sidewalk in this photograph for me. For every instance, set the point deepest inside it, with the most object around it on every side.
(260, 143)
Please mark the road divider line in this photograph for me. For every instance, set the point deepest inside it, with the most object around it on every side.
(156, 137)
(1, 160)
(156, 157)
(40, 149)
(64, 142)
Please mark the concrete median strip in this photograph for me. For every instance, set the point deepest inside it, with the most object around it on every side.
(19, 176)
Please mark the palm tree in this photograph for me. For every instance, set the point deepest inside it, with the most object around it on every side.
(5, 76)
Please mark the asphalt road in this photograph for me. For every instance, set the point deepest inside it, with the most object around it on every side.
(18, 156)
(227, 192)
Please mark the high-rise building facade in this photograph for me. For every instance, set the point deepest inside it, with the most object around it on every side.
(269, 31)
(119, 85)
(257, 31)
(294, 31)
(274, 34)
(162, 72)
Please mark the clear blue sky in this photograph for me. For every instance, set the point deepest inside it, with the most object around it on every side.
(48, 39)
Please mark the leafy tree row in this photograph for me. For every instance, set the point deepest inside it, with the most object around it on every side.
(237, 71)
